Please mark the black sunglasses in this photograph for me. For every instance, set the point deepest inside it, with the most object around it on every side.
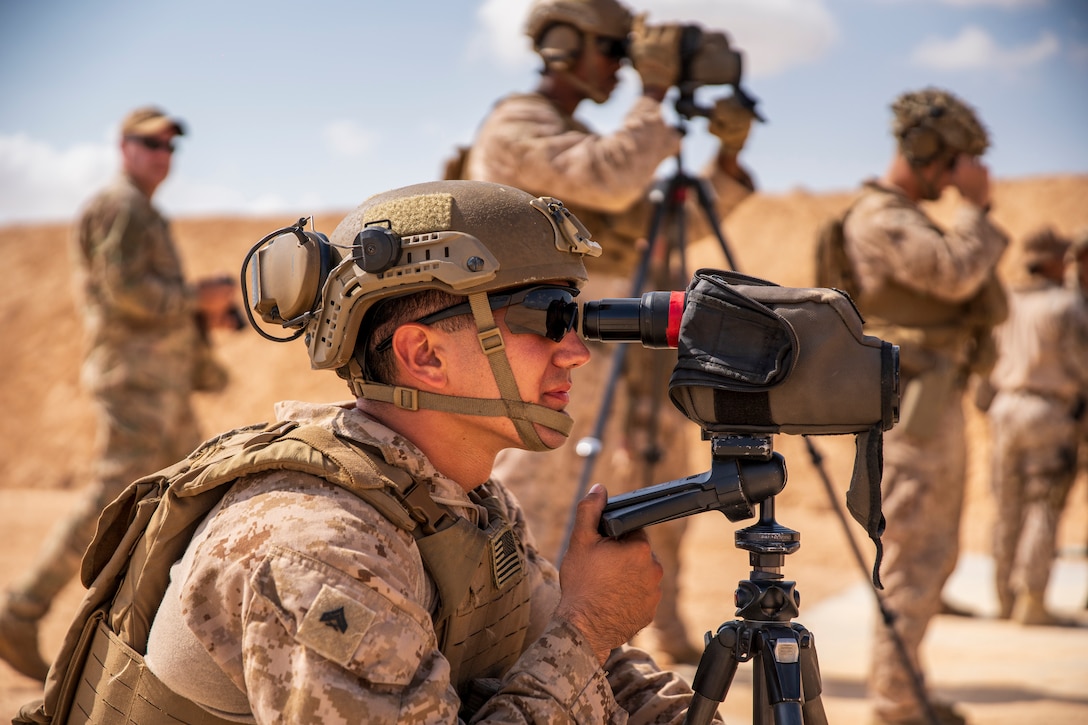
(550, 312)
(153, 144)
(614, 48)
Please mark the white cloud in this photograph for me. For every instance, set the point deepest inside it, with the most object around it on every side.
(499, 34)
(348, 138)
(39, 182)
(774, 35)
(975, 49)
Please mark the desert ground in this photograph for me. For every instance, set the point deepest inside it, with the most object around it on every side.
(1000, 672)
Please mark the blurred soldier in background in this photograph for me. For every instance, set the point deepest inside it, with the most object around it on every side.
(1077, 274)
(146, 351)
(533, 141)
(1077, 279)
(1039, 383)
(934, 293)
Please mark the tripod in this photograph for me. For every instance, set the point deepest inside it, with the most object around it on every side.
(786, 673)
(786, 678)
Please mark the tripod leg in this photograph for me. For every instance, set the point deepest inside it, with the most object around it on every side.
(714, 675)
(708, 208)
(811, 681)
(777, 678)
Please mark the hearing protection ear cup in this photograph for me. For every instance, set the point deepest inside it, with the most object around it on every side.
(560, 45)
(920, 145)
(375, 249)
(288, 276)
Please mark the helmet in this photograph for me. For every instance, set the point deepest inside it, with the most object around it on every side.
(466, 238)
(606, 18)
(1043, 246)
(461, 237)
(932, 123)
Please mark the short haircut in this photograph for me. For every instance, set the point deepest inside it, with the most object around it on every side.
(386, 316)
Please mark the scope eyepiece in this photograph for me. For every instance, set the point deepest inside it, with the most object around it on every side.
(653, 319)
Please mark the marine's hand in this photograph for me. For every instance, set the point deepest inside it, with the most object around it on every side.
(610, 587)
(971, 177)
(216, 303)
(655, 54)
(731, 122)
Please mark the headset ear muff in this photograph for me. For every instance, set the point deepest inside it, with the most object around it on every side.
(288, 274)
(560, 45)
(375, 249)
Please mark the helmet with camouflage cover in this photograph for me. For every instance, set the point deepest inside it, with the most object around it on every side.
(932, 123)
(603, 18)
(465, 238)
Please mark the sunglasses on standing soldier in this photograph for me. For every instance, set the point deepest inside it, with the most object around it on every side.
(152, 144)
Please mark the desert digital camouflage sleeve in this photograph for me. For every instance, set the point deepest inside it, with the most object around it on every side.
(888, 237)
(526, 142)
(316, 623)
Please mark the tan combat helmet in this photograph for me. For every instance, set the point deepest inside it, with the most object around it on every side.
(560, 29)
(466, 238)
(931, 124)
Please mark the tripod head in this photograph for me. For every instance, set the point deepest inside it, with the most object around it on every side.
(744, 471)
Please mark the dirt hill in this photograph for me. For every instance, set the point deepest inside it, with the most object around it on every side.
(48, 428)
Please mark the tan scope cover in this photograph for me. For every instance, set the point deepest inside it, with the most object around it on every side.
(755, 357)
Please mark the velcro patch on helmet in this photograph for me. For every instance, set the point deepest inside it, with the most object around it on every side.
(415, 214)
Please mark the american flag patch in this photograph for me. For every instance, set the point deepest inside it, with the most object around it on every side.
(505, 562)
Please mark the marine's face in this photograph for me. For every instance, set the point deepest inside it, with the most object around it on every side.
(938, 175)
(600, 63)
(147, 158)
(542, 370)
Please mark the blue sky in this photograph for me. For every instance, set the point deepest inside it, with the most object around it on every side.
(309, 107)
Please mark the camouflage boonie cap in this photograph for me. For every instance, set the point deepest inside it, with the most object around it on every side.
(955, 123)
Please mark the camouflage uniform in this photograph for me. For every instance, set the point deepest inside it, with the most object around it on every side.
(1040, 379)
(529, 143)
(1077, 280)
(144, 356)
(917, 286)
(237, 630)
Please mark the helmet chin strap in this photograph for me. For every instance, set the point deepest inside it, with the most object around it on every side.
(510, 405)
